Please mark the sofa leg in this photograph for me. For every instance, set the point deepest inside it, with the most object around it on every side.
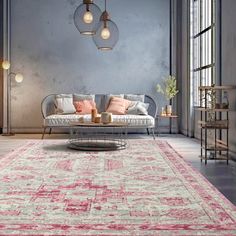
(50, 131)
(148, 131)
(153, 133)
(44, 130)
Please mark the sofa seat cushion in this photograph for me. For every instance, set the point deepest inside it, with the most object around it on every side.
(133, 120)
(64, 120)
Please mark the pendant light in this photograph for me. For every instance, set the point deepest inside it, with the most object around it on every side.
(107, 33)
(86, 17)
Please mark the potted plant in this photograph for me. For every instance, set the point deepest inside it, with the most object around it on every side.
(169, 90)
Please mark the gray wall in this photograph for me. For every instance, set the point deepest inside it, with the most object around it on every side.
(54, 58)
(229, 61)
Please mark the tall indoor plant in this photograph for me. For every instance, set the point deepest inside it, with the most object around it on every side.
(169, 90)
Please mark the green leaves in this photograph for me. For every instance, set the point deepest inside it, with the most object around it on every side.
(168, 89)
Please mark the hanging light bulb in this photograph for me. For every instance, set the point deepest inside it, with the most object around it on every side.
(86, 17)
(107, 33)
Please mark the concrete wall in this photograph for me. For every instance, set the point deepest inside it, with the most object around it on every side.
(229, 62)
(54, 58)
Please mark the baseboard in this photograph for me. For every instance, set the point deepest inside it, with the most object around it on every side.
(26, 130)
(232, 155)
(184, 132)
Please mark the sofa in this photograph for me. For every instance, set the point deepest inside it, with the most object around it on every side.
(51, 119)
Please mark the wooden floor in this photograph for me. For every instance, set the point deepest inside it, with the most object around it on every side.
(221, 175)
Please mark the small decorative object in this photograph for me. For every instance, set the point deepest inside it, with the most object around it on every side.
(212, 155)
(225, 101)
(81, 120)
(105, 117)
(210, 97)
(110, 118)
(169, 90)
(163, 111)
(211, 93)
(107, 33)
(93, 114)
(97, 119)
(217, 106)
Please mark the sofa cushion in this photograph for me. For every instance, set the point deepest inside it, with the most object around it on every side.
(64, 104)
(81, 97)
(64, 120)
(133, 120)
(84, 106)
(118, 106)
(138, 108)
(109, 96)
(135, 97)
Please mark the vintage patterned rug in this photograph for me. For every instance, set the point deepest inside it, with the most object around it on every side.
(147, 189)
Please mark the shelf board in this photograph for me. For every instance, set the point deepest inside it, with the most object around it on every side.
(218, 157)
(217, 124)
(210, 109)
(224, 87)
(217, 148)
(167, 116)
(214, 127)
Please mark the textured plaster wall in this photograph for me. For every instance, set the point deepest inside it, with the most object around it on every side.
(229, 61)
(54, 58)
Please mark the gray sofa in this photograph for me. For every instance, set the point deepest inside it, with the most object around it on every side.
(54, 120)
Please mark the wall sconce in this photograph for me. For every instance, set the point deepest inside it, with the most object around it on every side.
(18, 78)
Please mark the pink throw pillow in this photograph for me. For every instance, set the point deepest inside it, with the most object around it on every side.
(118, 106)
(85, 106)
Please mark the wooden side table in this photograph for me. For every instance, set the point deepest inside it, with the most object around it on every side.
(170, 117)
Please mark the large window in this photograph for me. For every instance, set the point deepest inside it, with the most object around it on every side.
(202, 45)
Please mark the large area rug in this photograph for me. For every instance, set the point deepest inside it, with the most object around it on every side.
(147, 189)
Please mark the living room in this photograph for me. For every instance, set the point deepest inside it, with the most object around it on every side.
(118, 117)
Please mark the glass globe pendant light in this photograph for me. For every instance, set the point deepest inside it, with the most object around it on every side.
(107, 33)
(86, 17)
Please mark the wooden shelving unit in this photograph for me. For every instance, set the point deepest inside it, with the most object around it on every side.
(216, 147)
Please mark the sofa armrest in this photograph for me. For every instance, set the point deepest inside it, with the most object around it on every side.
(152, 109)
(48, 105)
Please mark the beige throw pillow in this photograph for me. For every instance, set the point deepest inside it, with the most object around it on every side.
(138, 108)
(64, 104)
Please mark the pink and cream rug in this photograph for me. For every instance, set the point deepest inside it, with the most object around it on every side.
(146, 189)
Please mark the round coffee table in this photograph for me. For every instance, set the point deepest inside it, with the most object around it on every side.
(89, 136)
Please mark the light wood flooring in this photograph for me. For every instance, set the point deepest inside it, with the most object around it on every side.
(221, 175)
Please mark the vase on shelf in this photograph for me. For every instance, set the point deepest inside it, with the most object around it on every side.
(225, 101)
